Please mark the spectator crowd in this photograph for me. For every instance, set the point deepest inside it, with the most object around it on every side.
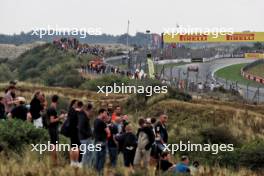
(109, 128)
(72, 43)
(102, 68)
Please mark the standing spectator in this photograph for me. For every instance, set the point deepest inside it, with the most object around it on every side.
(85, 134)
(35, 110)
(53, 127)
(9, 99)
(110, 109)
(145, 140)
(117, 112)
(112, 143)
(73, 123)
(130, 144)
(124, 122)
(101, 133)
(161, 133)
(20, 111)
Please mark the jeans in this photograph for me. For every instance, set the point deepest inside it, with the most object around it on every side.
(100, 157)
(113, 152)
(88, 156)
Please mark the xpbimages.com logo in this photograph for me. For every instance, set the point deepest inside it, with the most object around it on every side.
(189, 30)
(132, 89)
(191, 147)
(64, 31)
(41, 148)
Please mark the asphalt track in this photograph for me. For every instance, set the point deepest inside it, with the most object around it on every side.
(206, 74)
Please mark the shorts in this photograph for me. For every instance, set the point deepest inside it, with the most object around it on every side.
(54, 135)
(129, 157)
(75, 140)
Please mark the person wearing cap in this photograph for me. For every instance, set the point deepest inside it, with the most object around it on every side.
(183, 166)
(20, 111)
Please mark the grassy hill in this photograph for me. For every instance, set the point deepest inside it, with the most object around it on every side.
(198, 121)
(48, 65)
(257, 70)
(11, 51)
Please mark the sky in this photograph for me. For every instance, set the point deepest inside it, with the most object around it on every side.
(111, 16)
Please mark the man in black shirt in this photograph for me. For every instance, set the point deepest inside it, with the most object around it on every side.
(85, 133)
(161, 129)
(73, 131)
(20, 111)
(101, 133)
(161, 132)
(54, 121)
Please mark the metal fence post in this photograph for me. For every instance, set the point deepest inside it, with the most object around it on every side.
(258, 95)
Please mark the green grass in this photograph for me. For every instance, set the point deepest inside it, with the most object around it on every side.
(233, 73)
(258, 70)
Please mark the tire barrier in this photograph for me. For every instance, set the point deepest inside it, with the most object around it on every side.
(249, 76)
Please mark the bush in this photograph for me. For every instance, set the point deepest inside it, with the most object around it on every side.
(5, 73)
(218, 135)
(252, 155)
(46, 64)
(175, 94)
(16, 134)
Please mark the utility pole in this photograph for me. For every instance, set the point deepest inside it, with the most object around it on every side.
(127, 33)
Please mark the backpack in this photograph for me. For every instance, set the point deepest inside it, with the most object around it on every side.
(65, 128)
(45, 119)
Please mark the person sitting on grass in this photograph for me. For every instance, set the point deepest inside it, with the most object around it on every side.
(164, 164)
(183, 166)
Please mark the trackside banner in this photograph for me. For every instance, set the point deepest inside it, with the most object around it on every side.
(202, 38)
(254, 55)
(151, 68)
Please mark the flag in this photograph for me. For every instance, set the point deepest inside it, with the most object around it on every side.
(151, 67)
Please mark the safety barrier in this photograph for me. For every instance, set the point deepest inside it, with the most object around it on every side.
(250, 76)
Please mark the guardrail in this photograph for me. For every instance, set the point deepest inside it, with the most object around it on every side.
(250, 76)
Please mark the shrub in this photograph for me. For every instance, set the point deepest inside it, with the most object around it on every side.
(175, 94)
(218, 135)
(252, 155)
(5, 73)
(16, 134)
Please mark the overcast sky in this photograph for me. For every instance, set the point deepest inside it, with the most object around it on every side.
(112, 15)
